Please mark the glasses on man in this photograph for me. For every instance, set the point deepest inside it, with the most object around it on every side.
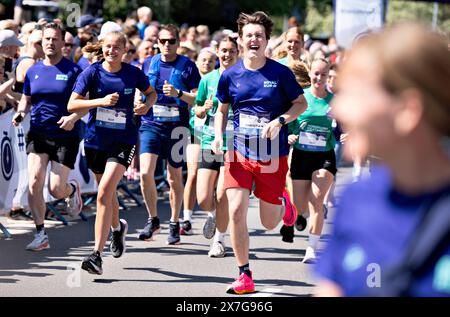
(170, 41)
(68, 44)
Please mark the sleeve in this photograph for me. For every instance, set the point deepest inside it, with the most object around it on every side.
(202, 92)
(142, 80)
(26, 85)
(81, 86)
(193, 77)
(293, 127)
(290, 85)
(223, 92)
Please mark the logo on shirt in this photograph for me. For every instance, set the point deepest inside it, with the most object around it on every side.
(36, 76)
(441, 280)
(128, 91)
(270, 84)
(63, 77)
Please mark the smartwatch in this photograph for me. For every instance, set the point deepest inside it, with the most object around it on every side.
(282, 120)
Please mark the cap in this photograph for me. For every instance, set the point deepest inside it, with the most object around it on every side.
(109, 27)
(88, 19)
(9, 38)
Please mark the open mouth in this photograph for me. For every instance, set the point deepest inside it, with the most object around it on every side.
(254, 48)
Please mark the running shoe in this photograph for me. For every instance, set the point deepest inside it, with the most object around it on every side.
(287, 233)
(310, 256)
(209, 228)
(74, 202)
(300, 223)
(118, 245)
(243, 285)
(40, 242)
(174, 233)
(290, 212)
(217, 250)
(93, 263)
(186, 228)
(151, 227)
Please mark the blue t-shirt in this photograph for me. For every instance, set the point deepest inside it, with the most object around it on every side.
(146, 64)
(50, 88)
(83, 63)
(106, 128)
(190, 79)
(372, 228)
(256, 98)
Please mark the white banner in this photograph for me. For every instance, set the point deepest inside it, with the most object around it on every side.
(353, 18)
(13, 166)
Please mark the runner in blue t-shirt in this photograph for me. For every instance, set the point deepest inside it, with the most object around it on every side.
(54, 134)
(165, 129)
(264, 96)
(382, 244)
(111, 135)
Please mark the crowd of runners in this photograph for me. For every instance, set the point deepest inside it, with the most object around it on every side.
(246, 113)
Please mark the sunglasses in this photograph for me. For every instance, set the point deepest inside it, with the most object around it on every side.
(131, 52)
(171, 41)
(68, 44)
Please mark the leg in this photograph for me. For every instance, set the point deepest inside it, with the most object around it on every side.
(321, 183)
(238, 199)
(206, 181)
(189, 195)
(105, 202)
(148, 186)
(222, 215)
(175, 179)
(37, 168)
(301, 189)
(58, 186)
(270, 214)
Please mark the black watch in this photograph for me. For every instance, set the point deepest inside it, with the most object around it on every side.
(180, 93)
(282, 120)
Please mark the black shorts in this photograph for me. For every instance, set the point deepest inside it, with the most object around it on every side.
(210, 161)
(305, 163)
(97, 159)
(60, 150)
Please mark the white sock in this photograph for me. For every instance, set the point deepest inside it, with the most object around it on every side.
(187, 214)
(116, 229)
(313, 240)
(219, 236)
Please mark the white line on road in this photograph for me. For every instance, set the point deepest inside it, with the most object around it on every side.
(267, 292)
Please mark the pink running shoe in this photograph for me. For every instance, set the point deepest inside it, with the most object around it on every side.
(290, 212)
(243, 285)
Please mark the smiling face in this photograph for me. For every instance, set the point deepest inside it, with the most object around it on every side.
(227, 53)
(253, 41)
(294, 43)
(206, 62)
(319, 74)
(113, 48)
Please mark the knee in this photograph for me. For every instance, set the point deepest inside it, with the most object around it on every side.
(269, 224)
(56, 191)
(236, 216)
(204, 201)
(104, 196)
(36, 184)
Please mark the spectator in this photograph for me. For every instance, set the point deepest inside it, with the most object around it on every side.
(145, 17)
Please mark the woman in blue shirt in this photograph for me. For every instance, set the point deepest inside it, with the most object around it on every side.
(111, 135)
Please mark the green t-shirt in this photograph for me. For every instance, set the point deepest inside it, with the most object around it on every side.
(314, 126)
(206, 89)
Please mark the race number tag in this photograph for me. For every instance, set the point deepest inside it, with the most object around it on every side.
(252, 124)
(163, 113)
(111, 119)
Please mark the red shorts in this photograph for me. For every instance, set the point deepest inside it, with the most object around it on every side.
(269, 176)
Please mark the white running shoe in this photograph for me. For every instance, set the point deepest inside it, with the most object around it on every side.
(310, 256)
(74, 202)
(209, 228)
(217, 250)
(39, 243)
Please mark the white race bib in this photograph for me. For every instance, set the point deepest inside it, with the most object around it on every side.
(111, 119)
(307, 138)
(252, 124)
(163, 113)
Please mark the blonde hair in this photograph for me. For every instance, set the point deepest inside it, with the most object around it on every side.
(301, 72)
(411, 56)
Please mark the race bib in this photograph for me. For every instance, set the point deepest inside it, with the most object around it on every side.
(229, 128)
(199, 123)
(111, 119)
(252, 124)
(313, 137)
(163, 113)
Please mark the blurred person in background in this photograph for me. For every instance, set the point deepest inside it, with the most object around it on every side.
(67, 49)
(293, 45)
(145, 15)
(394, 98)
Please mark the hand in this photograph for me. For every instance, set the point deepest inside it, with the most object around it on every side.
(111, 99)
(18, 118)
(271, 130)
(66, 123)
(169, 90)
(292, 139)
(140, 108)
(217, 146)
(208, 103)
(344, 138)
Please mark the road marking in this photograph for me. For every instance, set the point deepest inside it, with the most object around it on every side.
(267, 292)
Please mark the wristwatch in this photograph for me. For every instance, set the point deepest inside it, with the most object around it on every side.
(282, 120)
(180, 93)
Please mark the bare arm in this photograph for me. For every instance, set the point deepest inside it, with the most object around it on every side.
(188, 97)
(140, 108)
(22, 109)
(78, 102)
(220, 122)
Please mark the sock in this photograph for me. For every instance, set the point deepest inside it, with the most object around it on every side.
(187, 214)
(313, 240)
(98, 253)
(116, 229)
(39, 228)
(74, 189)
(245, 269)
(219, 236)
